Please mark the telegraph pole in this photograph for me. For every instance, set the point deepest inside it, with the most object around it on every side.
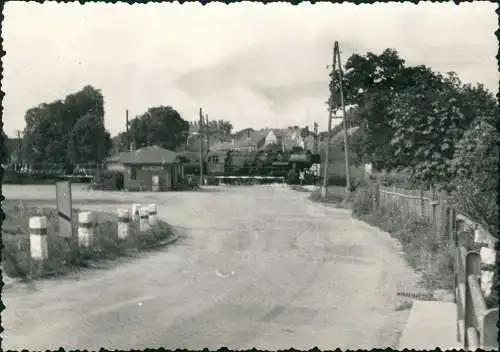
(129, 142)
(20, 148)
(207, 133)
(315, 138)
(201, 146)
(346, 136)
(329, 136)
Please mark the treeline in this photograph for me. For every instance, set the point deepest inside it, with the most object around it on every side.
(431, 127)
(71, 131)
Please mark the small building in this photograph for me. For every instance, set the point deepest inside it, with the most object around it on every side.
(150, 168)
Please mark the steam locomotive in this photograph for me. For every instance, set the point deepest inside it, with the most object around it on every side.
(275, 163)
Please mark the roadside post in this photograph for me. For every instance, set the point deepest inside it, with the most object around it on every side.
(152, 209)
(123, 223)
(85, 228)
(65, 216)
(143, 219)
(38, 244)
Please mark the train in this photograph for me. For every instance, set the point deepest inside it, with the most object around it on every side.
(263, 163)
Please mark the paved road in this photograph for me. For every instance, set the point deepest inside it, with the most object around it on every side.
(259, 267)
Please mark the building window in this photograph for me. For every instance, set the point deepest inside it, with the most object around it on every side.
(133, 173)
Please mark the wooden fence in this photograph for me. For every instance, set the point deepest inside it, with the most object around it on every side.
(474, 264)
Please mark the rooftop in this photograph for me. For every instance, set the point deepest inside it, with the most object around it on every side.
(146, 155)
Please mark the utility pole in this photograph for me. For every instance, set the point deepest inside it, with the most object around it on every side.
(207, 133)
(315, 138)
(346, 136)
(129, 142)
(329, 136)
(20, 148)
(201, 146)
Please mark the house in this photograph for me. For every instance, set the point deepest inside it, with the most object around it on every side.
(271, 138)
(150, 168)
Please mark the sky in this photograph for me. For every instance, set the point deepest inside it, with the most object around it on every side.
(253, 64)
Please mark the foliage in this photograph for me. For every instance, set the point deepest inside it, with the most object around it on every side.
(475, 165)
(423, 248)
(369, 82)
(363, 201)
(81, 144)
(49, 129)
(4, 153)
(412, 116)
(161, 126)
(428, 120)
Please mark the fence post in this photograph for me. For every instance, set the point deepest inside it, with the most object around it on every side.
(472, 268)
(38, 243)
(123, 223)
(422, 201)
(143, 219)
(376, 198)
(461, 280)
(489, 330)
(85, 228)
(452, 225)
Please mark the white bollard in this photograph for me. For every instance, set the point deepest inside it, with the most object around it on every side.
(123, 223)
(155, 187)
(143, 219)
(135, 211)
(38, 238)
(85, 228)
(153, 219)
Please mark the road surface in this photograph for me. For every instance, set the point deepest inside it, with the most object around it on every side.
(259, 267)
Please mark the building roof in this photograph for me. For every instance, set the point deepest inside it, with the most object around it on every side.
(146, 155)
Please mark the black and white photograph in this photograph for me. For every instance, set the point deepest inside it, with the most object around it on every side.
(245, 176)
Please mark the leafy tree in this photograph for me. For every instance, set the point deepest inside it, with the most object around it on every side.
(4, 153)
(81, 144)
(369, 82)
(426, 121)
(49, 126)
(475, 164)
(162, 126)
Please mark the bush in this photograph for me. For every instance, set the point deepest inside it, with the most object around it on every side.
(475, 164)
(363, 201)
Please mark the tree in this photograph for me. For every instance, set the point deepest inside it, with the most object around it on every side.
(429, 118)
(162, 126)
(81, 144)
(475, 165)
(426, 122)
(49, 126)
(369, 82)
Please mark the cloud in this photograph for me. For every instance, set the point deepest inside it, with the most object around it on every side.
(256, 65)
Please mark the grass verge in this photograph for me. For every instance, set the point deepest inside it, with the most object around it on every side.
(336, 196)
(16, 258)
(425, 249)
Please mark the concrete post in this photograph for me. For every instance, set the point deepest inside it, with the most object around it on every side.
(85, 228)
(123, 223)
(38, 238)
(155, 183)
(143, 219)
(152, 212)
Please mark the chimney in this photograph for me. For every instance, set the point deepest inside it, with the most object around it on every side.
(132, 147)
